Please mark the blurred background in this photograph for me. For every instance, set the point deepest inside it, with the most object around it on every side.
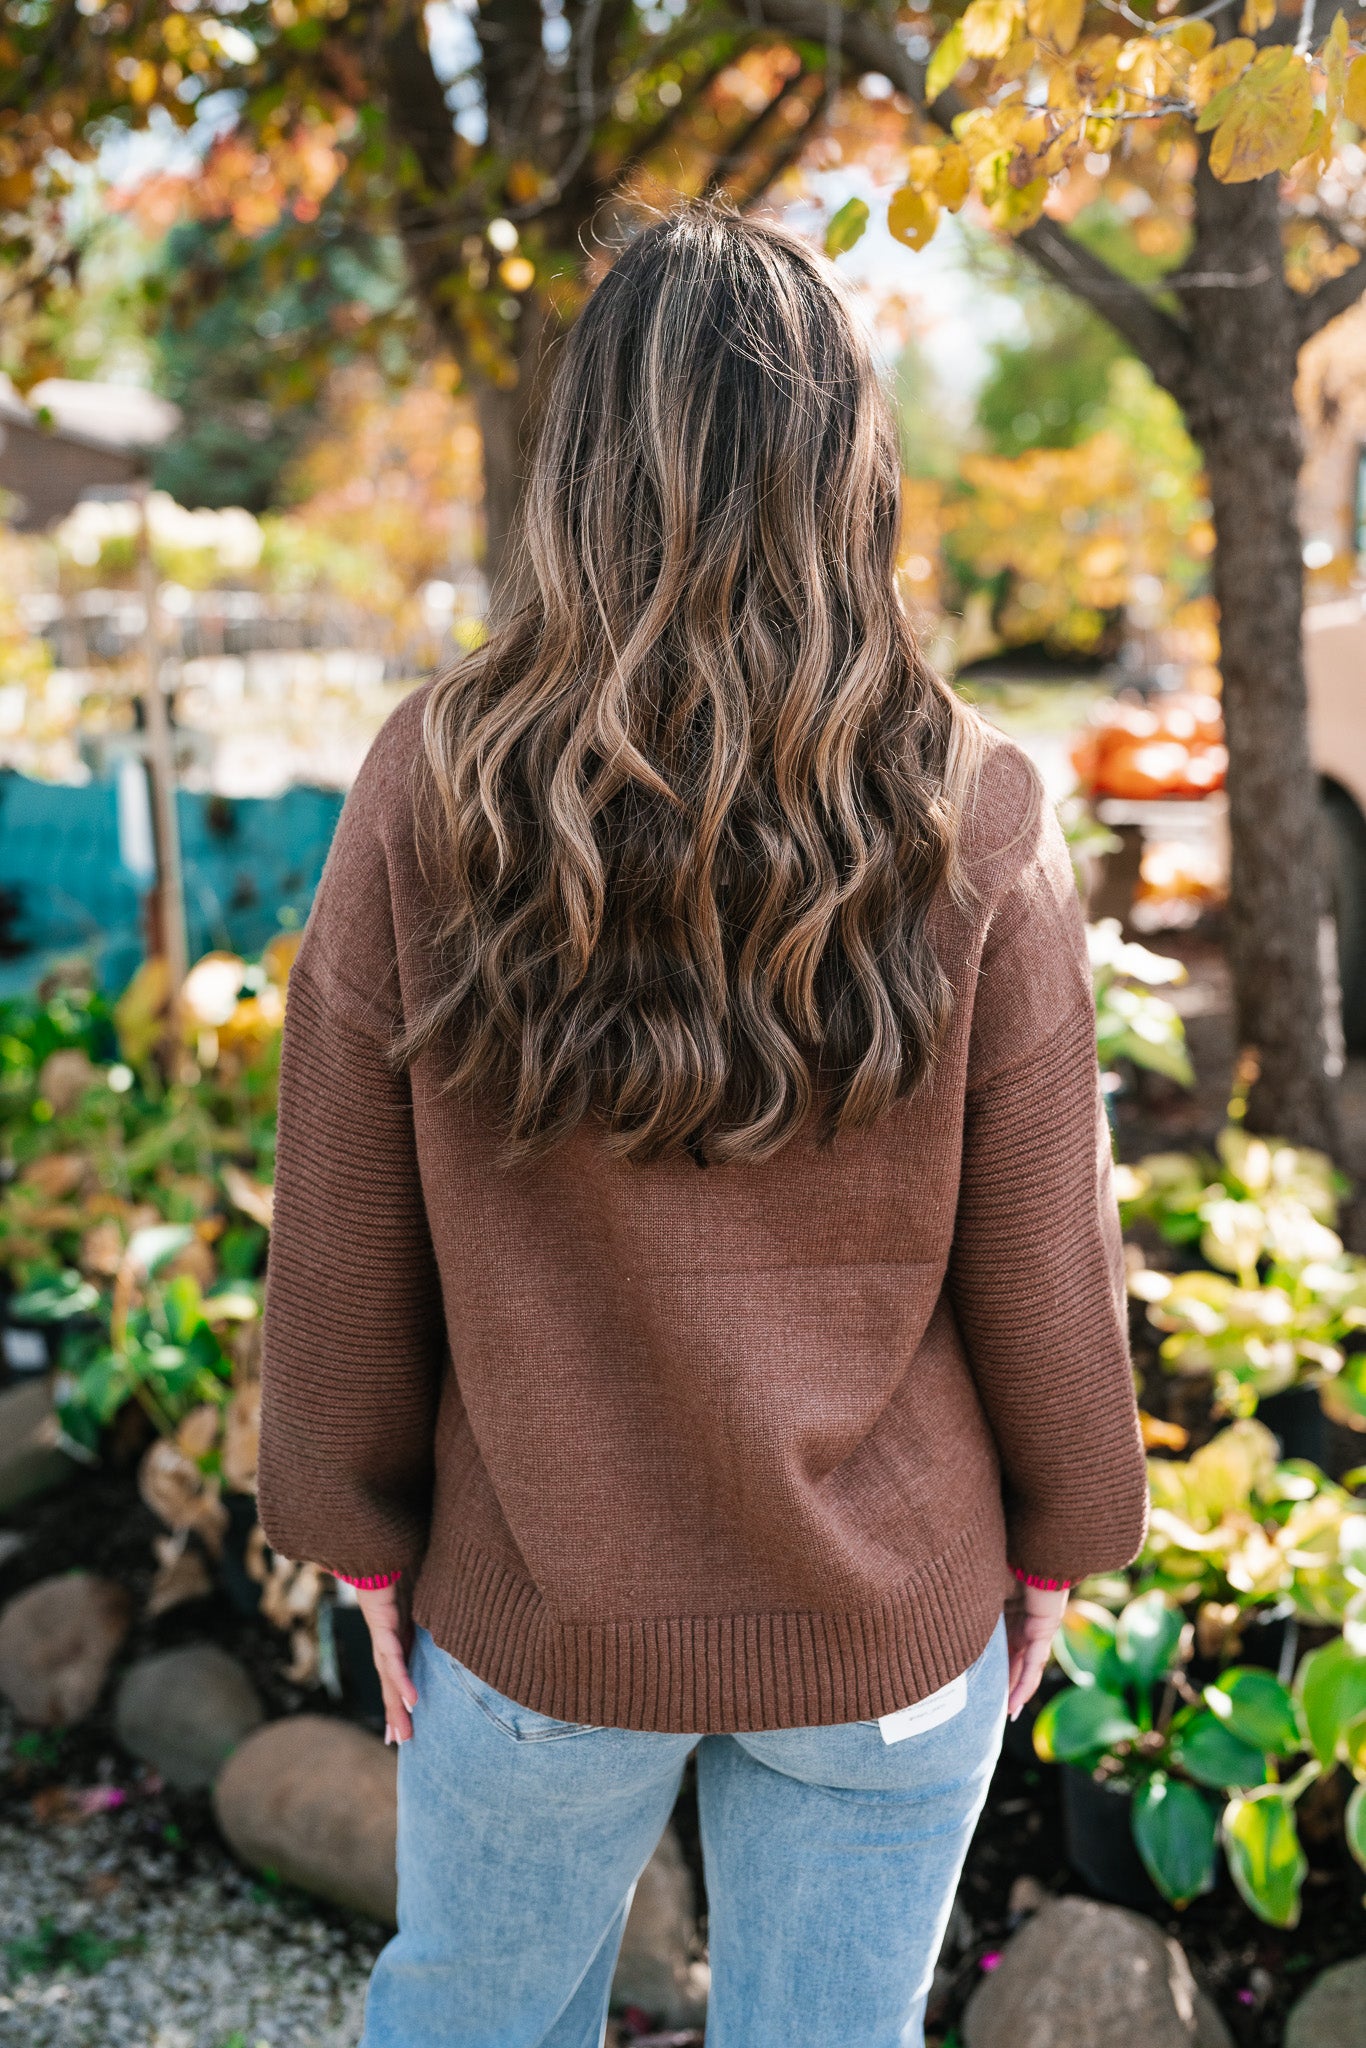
(277, 280)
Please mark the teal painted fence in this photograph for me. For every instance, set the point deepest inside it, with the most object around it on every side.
(251, 864)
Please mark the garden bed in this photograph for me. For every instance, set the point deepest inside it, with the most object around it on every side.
(154, 1873)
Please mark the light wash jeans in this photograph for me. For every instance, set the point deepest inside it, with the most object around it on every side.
(831, 1857)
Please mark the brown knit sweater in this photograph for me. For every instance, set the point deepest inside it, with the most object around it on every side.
(702, 1449)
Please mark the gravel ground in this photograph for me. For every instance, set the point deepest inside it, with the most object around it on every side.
(116, 1934)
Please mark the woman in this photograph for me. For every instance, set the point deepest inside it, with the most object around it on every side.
(695, 1287)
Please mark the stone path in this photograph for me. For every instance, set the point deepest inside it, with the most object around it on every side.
(110, 1937)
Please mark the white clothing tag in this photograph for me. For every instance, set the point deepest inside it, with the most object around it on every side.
(927, 1713)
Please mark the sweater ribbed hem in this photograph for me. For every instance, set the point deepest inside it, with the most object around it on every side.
(720, 1674)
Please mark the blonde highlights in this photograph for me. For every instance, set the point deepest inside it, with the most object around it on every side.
(695, 796)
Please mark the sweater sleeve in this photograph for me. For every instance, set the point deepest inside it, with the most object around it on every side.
(1036, 1272)
(354, 1340)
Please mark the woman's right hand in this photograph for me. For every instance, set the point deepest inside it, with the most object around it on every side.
(391, 1634)
(1032, 1621)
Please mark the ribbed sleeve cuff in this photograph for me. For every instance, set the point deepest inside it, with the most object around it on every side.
(1044, 1585)
(373, 1584)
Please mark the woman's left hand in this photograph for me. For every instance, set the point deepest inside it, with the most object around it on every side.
(1032, 1621)
(391, 1636)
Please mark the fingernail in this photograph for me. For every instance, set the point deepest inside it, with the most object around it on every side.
(388, 1734)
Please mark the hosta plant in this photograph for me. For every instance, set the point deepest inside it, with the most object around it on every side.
(1235, 1532)
(1283, 1302)
(1185, 1194)
(1132, 1023)
(1225, 1763)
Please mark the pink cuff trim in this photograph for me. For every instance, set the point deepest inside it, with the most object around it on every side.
(1044, 1585)
(373, 1584)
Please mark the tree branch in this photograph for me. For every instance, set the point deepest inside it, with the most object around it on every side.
(735, 152)
(1157, 339)
(1335, 296)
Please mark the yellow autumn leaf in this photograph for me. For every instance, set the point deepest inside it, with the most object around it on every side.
(946, 63)
(1055, 21)
(1319, 137)
(1100, 134)
(1354, 92)
(1093, 68)
(142, 85)
(988, 131)
(1333, 58)
(942, 172)
(951, 184)
(1013, 206)
(1219, 69)
(1145, 67)
(912, 216)
(922, 166)
(1267, 121)
(1064, 149)
(991, 26)
(1196, 38)
(1017, 62)
(1257, 15)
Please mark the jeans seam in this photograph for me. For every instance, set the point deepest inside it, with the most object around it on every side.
(504, 1727)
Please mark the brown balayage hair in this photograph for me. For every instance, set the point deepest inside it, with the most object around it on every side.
(694, 797)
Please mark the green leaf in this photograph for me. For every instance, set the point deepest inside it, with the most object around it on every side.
(149, 1250)
(1268, 1865)
(183, 1304)
(946, 63)
(1257, 1708)
(1206, 1749)
(846, 227)
(1354, 1824)
(102, 1387)
(1085, 1646)
(1174, 1829)
(1146, 1638)
(1081, 1724)
(1332, 1693)
(54, 1299)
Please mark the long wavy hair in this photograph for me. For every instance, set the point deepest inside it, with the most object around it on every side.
(695, 796)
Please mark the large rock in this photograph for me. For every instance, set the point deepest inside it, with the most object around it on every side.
(30, 1463)
(1083, 1975)
(185, 1711)
(1332, 2012)
(57, 1642)
(657, 1969)
(316, 1801)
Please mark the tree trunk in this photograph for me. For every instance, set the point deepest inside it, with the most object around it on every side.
(503, 422)
(1241, 411)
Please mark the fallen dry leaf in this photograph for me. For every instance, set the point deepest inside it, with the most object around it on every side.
(102, 1249)
(181, 1495)
(242, 1437)
(56, 1175)
(253, 1197)
(181, 1575)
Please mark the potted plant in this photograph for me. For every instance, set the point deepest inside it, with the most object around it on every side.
(1174, 1741)
(1273, 1324)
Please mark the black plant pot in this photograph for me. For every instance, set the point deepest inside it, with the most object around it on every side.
(1098, 1837)
(1270, 1641)
(355, 1663)
(1296, 1416)
(241, 1588)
